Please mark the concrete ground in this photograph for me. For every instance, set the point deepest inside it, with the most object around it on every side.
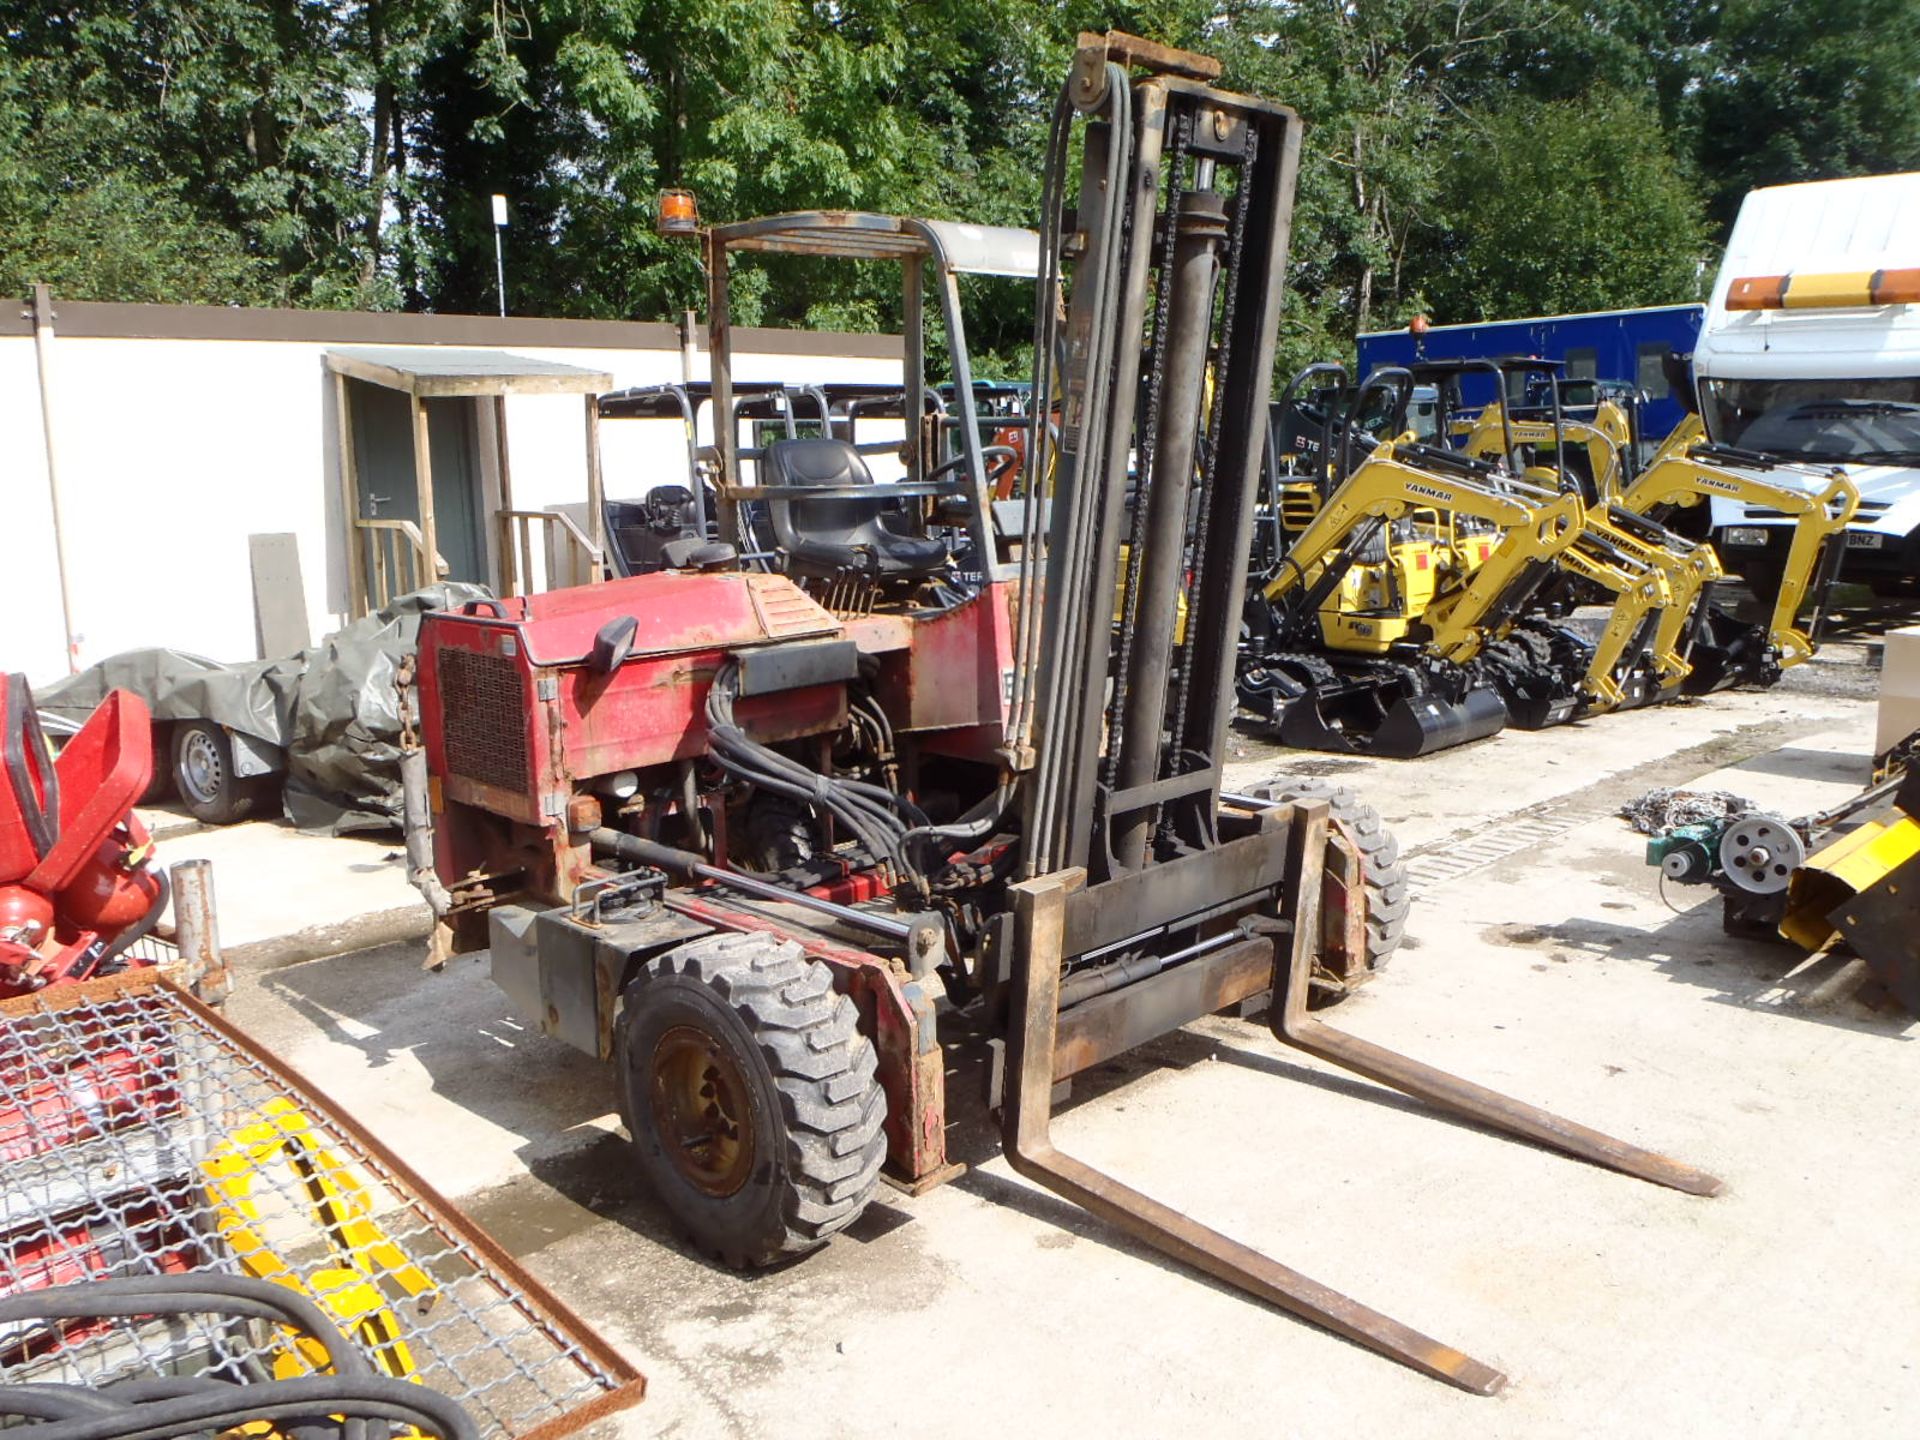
(1541, 960)
(284, 896)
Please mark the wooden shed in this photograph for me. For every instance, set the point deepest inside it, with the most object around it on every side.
(411, 434)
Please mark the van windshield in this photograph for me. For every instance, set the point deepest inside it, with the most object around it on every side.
(1860, 422)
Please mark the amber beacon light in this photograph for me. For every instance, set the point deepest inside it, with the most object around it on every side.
(677, 214)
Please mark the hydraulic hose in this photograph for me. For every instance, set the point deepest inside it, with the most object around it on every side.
(140, 928)
(872, 814)
(158, 1410)
(694, 867)
(361, 1398)
(194, 1294)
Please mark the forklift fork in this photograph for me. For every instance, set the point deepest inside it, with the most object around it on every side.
(1040, 919)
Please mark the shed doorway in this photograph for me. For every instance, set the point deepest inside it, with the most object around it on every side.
(389, 490)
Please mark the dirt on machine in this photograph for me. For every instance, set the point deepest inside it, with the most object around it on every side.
(770, 832)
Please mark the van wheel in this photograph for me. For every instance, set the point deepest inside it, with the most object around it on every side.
(751, 1096)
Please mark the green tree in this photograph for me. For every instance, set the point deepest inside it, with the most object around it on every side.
(74, 214)
(1805, 92)
(1556, 206)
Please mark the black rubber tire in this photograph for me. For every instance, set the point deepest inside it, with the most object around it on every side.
(1389, 896)
(817, 1111)
(201, 769)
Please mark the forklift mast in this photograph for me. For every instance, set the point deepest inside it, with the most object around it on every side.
(597, 765)
(1179, 238)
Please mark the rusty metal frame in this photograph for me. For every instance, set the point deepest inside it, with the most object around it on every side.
(415, 1191)
(1041, 910)
(1291, 1024)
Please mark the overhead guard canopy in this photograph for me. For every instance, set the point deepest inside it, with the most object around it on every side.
(860, 235)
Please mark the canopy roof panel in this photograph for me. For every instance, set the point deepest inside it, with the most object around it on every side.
(861, 235)
(432, 370)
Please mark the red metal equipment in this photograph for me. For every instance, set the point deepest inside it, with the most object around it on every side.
(78, 886)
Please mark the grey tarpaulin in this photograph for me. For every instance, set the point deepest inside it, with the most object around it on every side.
(332, 708)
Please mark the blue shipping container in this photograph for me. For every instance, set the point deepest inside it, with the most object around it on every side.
(1630, 346)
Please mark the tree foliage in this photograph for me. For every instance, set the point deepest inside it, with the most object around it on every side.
(1529, 216)
(1475, 157)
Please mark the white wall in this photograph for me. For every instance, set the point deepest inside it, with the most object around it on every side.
(30, 634)
(173, 452)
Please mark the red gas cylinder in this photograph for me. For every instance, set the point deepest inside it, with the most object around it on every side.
(113, 889)
(26, 920)
(26, 916)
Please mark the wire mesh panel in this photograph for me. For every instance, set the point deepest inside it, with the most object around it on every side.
(142, 1135)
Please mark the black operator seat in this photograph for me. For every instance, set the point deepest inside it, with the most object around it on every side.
(835, 535)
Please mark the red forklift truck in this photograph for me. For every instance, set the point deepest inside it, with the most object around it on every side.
(765, 840)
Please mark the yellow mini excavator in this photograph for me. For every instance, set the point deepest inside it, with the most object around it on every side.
(1653, 581)
(1599, 450)
(1684, 474)
(1384, 624)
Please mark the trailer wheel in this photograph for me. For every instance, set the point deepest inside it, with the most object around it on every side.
(204, 778)
(751, 1096)
(1388, 895)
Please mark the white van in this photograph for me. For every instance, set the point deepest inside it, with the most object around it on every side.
(1811, 352)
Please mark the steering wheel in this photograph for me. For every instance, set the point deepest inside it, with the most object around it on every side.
(988, 454)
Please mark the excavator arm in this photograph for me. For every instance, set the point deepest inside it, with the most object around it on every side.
(1604, 439)
(1385, 488)
(1685, 473)
(1649, 571)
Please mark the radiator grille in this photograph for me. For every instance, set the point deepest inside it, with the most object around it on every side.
(483, 711)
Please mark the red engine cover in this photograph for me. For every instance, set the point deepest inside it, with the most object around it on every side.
(512, 717)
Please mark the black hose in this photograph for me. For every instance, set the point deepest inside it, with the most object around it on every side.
(55, 1402)
(194, 1294)
(139, 929)
(871, 813)
(166, 1406)
(359, 1398)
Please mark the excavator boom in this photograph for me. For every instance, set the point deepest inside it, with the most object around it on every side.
(1687, 471)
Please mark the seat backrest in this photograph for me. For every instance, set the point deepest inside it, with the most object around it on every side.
(804, 462)
(641, 529)
(103, 772)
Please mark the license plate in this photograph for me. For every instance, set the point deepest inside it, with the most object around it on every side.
(1747, 537)
(1865, 539)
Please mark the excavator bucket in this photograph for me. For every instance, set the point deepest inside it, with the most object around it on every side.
(1727, 652)
(1420, 725)
(1376, 713)
(1538, 698)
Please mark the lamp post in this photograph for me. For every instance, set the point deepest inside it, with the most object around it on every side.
(499, 257)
